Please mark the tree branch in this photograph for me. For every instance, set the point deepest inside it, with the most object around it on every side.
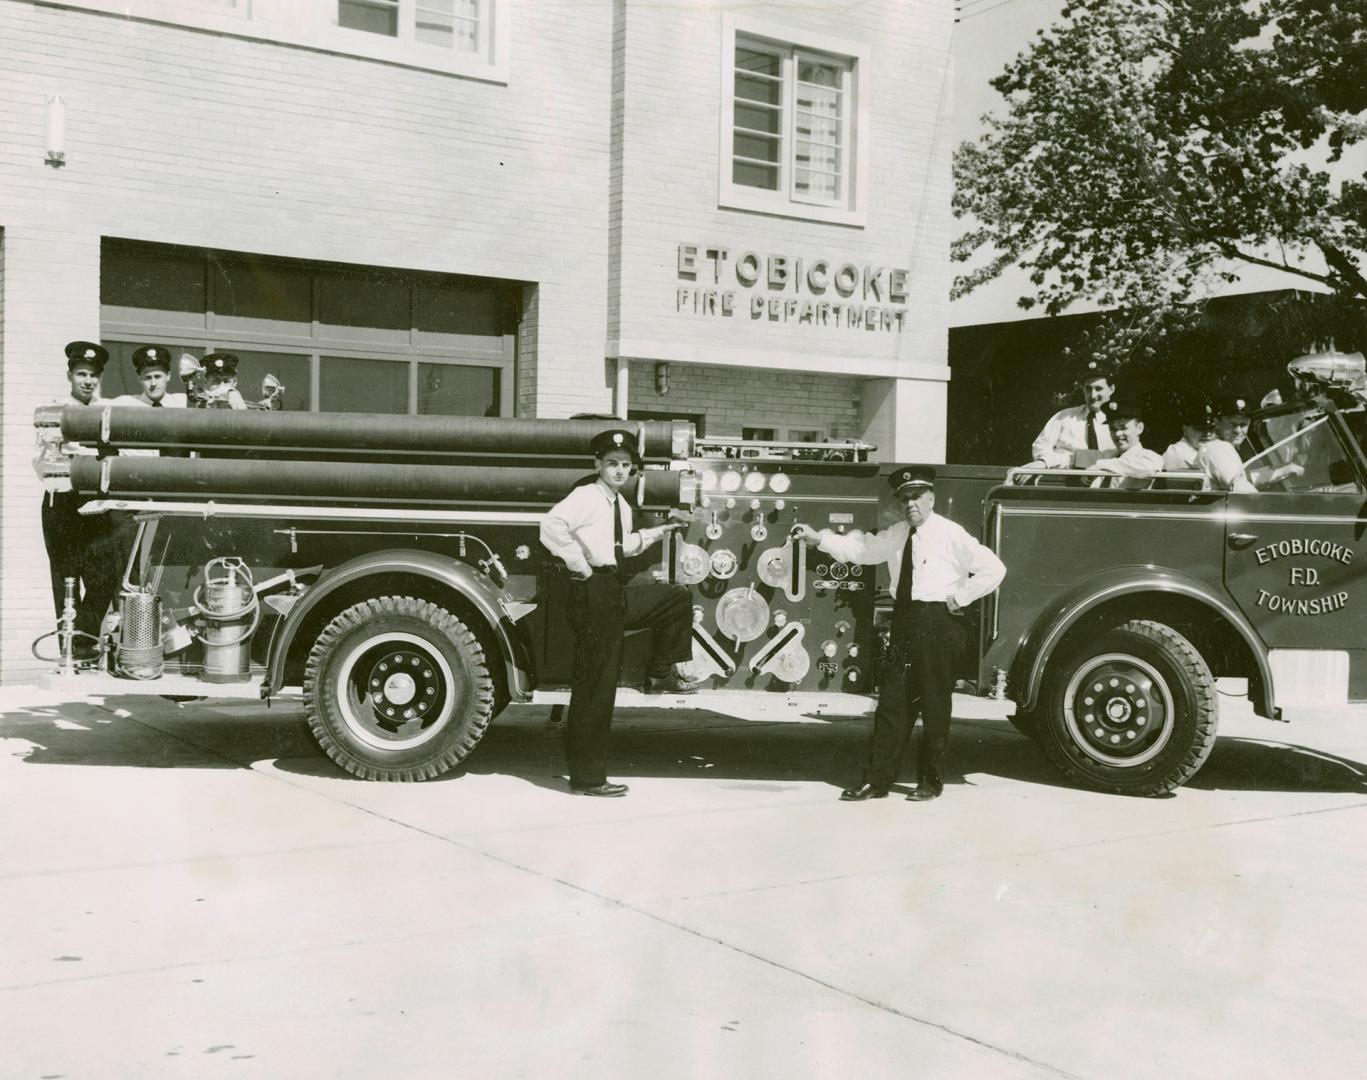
(1344, 266)
(1234, 253)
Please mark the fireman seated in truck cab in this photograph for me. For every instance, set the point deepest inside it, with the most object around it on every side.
(1134, 465)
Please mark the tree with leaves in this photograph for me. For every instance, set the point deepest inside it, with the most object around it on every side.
(1150, 150)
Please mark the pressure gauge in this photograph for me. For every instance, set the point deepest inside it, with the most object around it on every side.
(754, 481)
(709, 481)
(730, 480)
(779, 483)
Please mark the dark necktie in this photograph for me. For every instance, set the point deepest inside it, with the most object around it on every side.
(903, 597)
(156, 404)
(1092, 443)
(618, 555)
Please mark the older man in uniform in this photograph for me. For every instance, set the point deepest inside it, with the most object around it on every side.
(936, 569)
(81, 547)
(1080, 428)
(590, 532)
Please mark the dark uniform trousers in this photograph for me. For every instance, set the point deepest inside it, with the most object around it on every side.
(92, 549)
(602, 609)
(917, 677)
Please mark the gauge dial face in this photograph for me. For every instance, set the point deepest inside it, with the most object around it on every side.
(730, 480)
(709, 481)
(779, 483)
(742, 614)
(754, 481)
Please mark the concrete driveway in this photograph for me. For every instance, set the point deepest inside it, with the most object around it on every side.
(194, 892)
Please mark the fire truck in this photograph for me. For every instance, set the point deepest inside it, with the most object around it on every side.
(388, 569)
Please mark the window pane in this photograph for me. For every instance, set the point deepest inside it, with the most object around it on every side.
(816, 185)
(749, 58)
(455, 390)
(373, 16)
(758, 118)
(757, 176)
(818, 128)
(817, 156)
(292, 369)
(455, 309)
(165, 280)
(372, 386)
(370, 300)
(755, 146)
(261, 290)
(448, 23)
(758, 434)
(753, 88)
(819, 74)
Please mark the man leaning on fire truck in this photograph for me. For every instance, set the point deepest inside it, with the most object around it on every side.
(936, 570)
(590, 532)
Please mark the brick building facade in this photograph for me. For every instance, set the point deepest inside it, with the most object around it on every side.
(477, 206)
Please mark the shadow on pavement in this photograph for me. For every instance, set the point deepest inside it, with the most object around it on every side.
(644, 744)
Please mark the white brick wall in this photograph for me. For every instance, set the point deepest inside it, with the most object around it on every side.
(734, 398)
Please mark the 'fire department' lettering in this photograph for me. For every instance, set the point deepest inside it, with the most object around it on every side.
(1290, 605)
(1299, 546)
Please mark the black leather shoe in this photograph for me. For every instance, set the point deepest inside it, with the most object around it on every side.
(862, 792)
(601, 791)
(669, 684)
(923, 794)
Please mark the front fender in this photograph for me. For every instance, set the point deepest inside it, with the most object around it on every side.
(489, 600)
(1054, 622)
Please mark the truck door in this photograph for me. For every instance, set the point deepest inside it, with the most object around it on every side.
(1296, 559)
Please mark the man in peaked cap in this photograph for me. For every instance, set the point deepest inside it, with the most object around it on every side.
(1197, 417)
(590, 532)
(220, 382)
(79, 546)
(1079, 428)
(153, 365)
(1134, 464)
(1233, 418)
(936, 569)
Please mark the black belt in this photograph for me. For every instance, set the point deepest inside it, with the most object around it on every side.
(604, 569)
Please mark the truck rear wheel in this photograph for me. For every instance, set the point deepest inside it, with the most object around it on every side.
(397, 688)
(1133, 711)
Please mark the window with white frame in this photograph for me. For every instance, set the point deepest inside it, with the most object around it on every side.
(460, 37)
(790, 124)
(459, 25)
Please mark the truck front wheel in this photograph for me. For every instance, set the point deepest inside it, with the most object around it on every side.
(397, 688)
(1133, 711)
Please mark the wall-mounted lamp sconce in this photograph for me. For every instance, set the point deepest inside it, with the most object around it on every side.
(661, 378)
(56, 132)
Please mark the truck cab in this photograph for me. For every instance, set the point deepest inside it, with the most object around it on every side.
(1121, 607)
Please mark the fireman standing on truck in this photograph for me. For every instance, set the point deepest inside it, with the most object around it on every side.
(936, 569)
(590, 531)
(1083, 427)
(82, 547)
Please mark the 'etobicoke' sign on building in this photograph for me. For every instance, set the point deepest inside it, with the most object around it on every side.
(786, 288)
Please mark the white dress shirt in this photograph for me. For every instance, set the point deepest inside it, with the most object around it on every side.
(1220, 461)
(1180, 457)
(1134, 465)
(578, 529)
(72, 399)
(947, 561)
(1065, 432)
(168, 401)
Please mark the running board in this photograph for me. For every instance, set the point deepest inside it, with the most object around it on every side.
(771, 705)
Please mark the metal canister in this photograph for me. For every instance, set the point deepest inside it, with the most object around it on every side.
(228, 605)
(139, 651)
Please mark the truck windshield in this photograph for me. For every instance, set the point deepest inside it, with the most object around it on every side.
(1304, 455)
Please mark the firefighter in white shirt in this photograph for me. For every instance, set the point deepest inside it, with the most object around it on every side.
(1082, 427)
(937, 569)
(1197, 417)
(590, 532)
(86, 548)
(153, 365)
(1134, 464)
